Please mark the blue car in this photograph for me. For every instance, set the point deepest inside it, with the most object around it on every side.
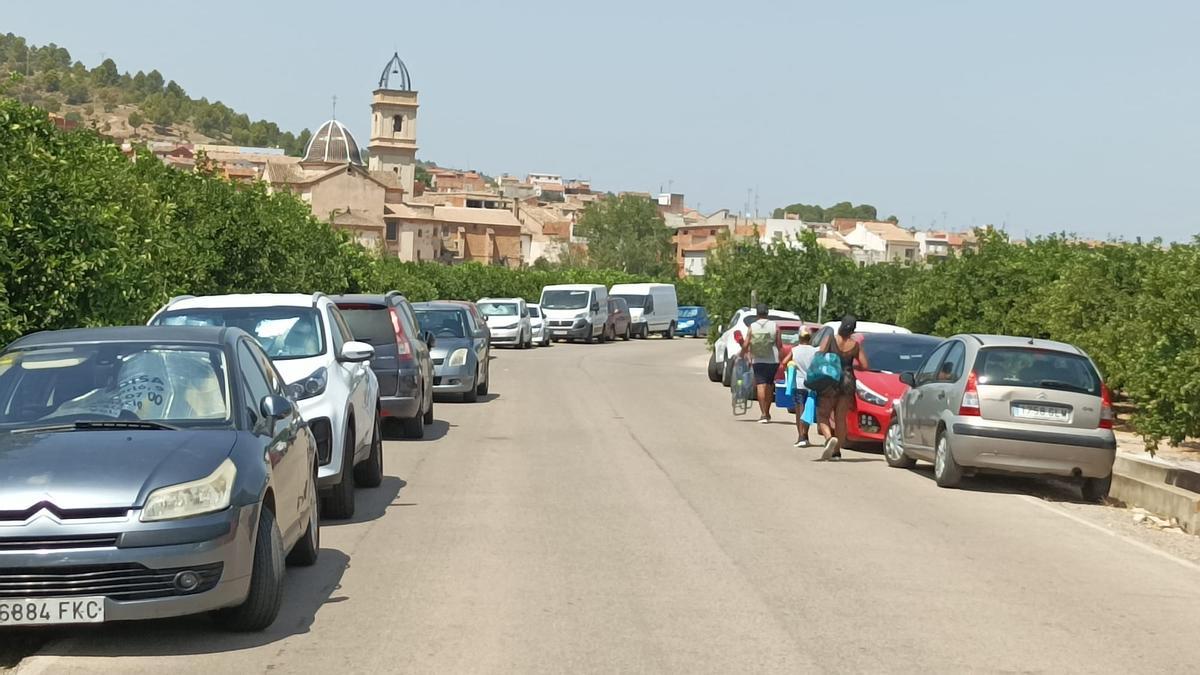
(693, 321)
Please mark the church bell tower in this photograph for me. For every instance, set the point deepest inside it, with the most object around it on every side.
(393, 145)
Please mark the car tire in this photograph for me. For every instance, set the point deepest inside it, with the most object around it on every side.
(893, 448)
(590, 337)
(339, 501)
(714, 370)
(261, 606)
(472, 394)
(946, 472)
(727, 373)
(1096, 489)
(628, 334)
(669, 333)
(304, 553)
(414, 427)
(369, 474)
(429, 412)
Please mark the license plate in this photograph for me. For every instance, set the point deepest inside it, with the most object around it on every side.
(560, 332)
(1041, 412)
(45, 611)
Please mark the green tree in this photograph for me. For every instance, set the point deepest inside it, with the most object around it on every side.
(136, 120)
(628, 234)
(106, 74)
(816, 214)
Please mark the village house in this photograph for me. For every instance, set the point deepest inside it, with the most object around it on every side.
(873, 242)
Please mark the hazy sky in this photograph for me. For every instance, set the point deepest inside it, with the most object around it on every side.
(1077, 115)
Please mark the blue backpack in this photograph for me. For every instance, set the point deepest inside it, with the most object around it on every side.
(824, 372)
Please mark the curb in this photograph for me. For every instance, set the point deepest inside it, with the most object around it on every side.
(1163, 489)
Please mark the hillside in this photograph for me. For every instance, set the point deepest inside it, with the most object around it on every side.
(144, 106)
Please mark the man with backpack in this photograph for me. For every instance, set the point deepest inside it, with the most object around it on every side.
(763, 345)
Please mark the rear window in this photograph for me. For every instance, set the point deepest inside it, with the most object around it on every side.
(1036, 368)
(372, 325)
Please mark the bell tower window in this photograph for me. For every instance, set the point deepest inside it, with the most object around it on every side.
(397, 123)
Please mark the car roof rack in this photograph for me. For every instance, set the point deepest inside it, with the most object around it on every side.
(390, 294)
(316, 297)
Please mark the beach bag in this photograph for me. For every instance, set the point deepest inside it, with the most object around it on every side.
(810, 409)
(790, 379)
(824, 372)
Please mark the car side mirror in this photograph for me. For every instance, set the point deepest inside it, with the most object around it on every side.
(595, 307)
(430, 340)
(908, 378)
(275, 407)
(356, 352)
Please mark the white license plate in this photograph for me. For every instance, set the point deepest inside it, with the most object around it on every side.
(45, 611)
(560, 332)
(1041, 412)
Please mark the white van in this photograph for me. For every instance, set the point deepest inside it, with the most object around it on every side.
(653, 308)
(575, 311)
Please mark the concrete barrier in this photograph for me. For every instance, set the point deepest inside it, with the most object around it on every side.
(1158, 487)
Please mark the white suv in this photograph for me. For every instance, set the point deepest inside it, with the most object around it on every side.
(327, 373)
(720, 366)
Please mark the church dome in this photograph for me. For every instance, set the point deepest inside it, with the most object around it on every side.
(333, 144)
(395, 75)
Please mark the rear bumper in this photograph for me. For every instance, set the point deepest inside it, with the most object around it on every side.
(400, 406)
(1021, 450)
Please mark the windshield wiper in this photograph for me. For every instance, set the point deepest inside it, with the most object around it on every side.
(144, 425)
(1063, 386)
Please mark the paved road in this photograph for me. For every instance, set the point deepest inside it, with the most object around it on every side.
(604, 512)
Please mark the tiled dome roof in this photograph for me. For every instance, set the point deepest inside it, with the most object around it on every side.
(333, 144)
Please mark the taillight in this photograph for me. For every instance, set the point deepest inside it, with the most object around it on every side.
(1106, 409)
(737, 335)
(403, 349)
(970, 399)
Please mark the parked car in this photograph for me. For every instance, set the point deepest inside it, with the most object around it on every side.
(507, 321)
(537, 323)
(327, 373)
(653, 308)
(869, 327)
(693, 321)
(575, 311)
(1017, 405)
(133, 479)
(461, 351)
(619, 323)
(889, 355)
(401, 363)
(720, 366)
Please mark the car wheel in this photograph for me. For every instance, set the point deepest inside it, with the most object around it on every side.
(429, 413)
(262, 602)
(472, 394)
(946, 471)
(369, 474)
(628, 334)
(414, 427)
(669, 333)
(304, 553)
(727, 373)
(590, 337)
(714, 370)
(339, 501)
(1096, 489)
(893, 449)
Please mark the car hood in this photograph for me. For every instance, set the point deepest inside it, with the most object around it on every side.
(103, 469)
(887, 385)
(294, 370)
(446, 346)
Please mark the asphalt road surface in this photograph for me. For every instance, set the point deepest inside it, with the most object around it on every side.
(603, 511)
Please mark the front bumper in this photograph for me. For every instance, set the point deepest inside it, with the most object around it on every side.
(867, 423)
(316, 409)
(571, 332)
(154, 546)
(453, 380)
(505, 336)
(1023, 449)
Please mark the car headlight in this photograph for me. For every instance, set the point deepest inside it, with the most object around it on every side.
(207, 495)
(458, 358)
(870, 395)
(308, 387)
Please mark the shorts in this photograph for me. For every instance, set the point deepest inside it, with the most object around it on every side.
(799, 398)
(764, 373)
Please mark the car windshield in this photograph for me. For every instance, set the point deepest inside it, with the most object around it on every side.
(372, 325)
(565, 299)
(1037, 369)
(534, 312)
(897, 353)
(498, 308)
(689, 312)
(634, 301)
(176, 385)
(283, 332)
(444, 323)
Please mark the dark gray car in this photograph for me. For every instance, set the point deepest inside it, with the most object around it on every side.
(461, 351)
(402, 362)
(133, 483)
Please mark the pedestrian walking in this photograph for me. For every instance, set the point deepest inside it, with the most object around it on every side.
(838, 400)
(763, 345)
(801, 358)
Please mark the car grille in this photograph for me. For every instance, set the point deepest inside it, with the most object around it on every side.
(59, 542)
(323, 433)
(128, 581)
(437, 381)
(63, 514)
(562, 324)
(438, 362)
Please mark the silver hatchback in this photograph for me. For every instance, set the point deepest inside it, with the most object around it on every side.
(1010, 405)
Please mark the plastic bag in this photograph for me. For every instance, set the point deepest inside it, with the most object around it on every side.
(810, 409)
